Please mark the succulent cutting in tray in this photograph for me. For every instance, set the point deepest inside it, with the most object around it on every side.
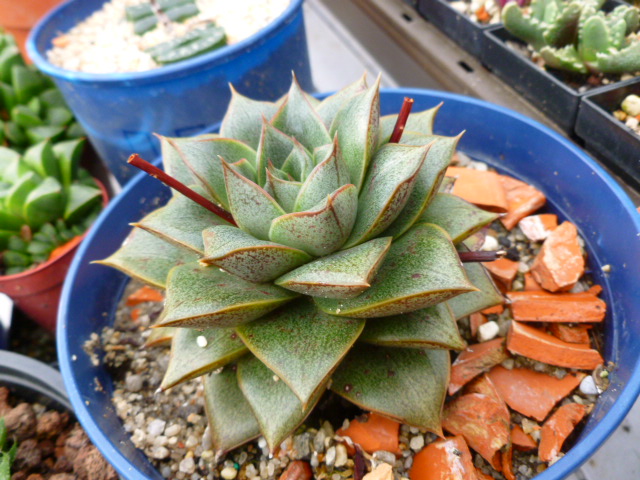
(311, 249)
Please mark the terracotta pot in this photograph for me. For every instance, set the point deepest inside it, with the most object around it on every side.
(19, 16)
(37, 291)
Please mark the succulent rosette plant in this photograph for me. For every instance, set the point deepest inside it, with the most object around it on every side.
(320, 254)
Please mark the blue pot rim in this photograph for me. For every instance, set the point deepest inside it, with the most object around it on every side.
(580, 452)
(219, 56)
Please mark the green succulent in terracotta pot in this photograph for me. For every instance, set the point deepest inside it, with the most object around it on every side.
(319, 254)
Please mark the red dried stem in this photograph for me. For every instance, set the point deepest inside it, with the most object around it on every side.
(403, 116)
(467, 257)
(168, 180)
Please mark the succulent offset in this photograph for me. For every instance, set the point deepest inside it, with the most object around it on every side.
(341, 272)
(577, 36)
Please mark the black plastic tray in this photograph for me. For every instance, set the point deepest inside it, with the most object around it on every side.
(616, 144)
(458, 26)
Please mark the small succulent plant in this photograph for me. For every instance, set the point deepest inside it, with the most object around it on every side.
(320, 255)
(577, 36)
(7, 454)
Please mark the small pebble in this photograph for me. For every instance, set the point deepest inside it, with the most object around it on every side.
(416, 443)
(330, 457)
(488, 331)
(490, 244)
(187, 465)
(384, 456)
(341, 455)
(588, 386)
(228, 473)
(201, 341)
(156, 427)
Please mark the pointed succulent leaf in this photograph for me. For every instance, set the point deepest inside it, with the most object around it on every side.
(231, 420)
(433, 327)
(206, 158)
(594, 38)
(330, 106)
(252, 208)
(527, 28)
(302, 345)
(406, 384)
(421, 269)
(487, 295)
(419, 122)
(42, 160)
(274, 148)
(625, 60)
(253, 260)
(393, 174)
(243, 120)
(344, 274)
(172, 158)
(68, 155)
(284, 191)
(17, 194)
(322, 229)
(299, 163)
(457, 216)
(565, 58)
(298, 119)
(329, 175)
(81, 199)
(206, 297)
(148, 258)
(181, 222)
(44, 203)
(431, 173)
(196, 352)
(357, 125)
(245, 168)
(160, 337)
(565, 27)
(278, 410)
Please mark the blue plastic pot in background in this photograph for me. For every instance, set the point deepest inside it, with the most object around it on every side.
(121, 111)
(576, 187)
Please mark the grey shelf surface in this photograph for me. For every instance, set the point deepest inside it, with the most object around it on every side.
(347, 37)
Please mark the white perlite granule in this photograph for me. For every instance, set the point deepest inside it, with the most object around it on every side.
(106, 43)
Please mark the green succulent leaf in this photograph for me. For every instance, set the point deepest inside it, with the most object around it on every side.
(245, 168)
(625, 60)
(172, 157)
(17, 195)
(10, 222)
(68, 154)
(278, 410)
(357, 125)
(42, 160)
(148, 258)
(253, 260)
(406, 384)
(457, 216)
(299, 163)
(81, 199)
(330, 106)
(244, 117)
(44, 203)
(527, 28)
(322, 229)
(419, 122)
(594, 38)
(298, 119)
(431, 173)
(160, 337)
(421, 269)
(206, 297)
(302, 345)
(433, 327)
(181, 222)
(565, 27)
(231, 420)
(329, 175)
(394, 171)
(344, 274)
(284, 191)
(196, 352)
(251, 206)
(487, 295)
(565, 58)
(274, 148)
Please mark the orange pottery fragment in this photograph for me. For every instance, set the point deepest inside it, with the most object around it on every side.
(475, 320)
(144, 294)
(496, 309)
(594, 290)
(479, 187)
(483, 421)
(474, 360)
(521, 440)
(507, 463)
(374, 432)
(485, 386)
(135, 314)
(538, 227)
(530, 393)
(297, 470)
(503, 271)
(448, 459)
(535, 344)
(541, 306)
(530, 284)
(571, 333)
(522, 200)
(483, 476)
(556, 430)
(559, 264)
(482, 15)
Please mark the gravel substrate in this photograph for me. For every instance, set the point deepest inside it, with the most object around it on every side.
(171, 427)
(106, 43)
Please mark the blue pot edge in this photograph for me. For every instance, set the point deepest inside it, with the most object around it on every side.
(159, 74)
(580, 452)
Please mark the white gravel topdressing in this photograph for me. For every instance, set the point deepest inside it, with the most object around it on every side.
(106, 43)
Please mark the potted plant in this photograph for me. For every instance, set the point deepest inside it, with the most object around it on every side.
(257, 64)
(46, 200)
(91, 293)
(575, 47)
(608, 135)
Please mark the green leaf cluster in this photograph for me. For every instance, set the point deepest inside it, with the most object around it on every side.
(7, 454)
(577, 36)
(342, 271)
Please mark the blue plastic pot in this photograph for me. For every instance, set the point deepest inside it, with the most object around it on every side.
(121, 111)
(577, 189)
